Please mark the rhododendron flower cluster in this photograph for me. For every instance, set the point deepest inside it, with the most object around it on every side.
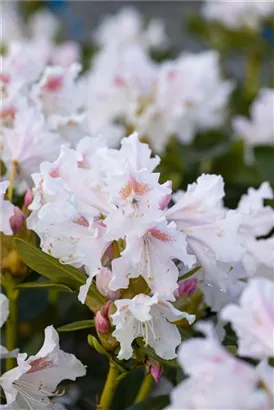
(236, 15)
(136, 193)
(178, 97)
(101, 208)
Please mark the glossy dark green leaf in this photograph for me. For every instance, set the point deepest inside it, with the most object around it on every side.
(53, 270)
(154, 403)
(264, 156)
(48, 266)
(79, 325)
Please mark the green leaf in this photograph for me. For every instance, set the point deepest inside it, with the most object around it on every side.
(264, 156)
(154, 403)
(48, 266)
(44, 285)
(190, 273)
(79, 325)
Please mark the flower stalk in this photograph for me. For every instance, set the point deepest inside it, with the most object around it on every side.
(13, 171)
(11, 327)
(145, 388)
(252, 72)
(110, 387)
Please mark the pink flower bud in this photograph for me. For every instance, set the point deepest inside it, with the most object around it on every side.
(166, 199)
(186, 287)
(105, 309)
(17, 219)
(101, 323)
(103, 279)
(28, 198)
(156, 372)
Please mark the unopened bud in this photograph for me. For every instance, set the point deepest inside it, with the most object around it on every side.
(105, 309)
(28, 198)
(166, 199)
(17, 220)
(103, 279)
(156, 372)
(186, 287)
(14, 264)
(101, 323)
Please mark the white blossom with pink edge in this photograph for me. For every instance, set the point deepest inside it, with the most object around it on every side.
(209, 367)
(29, 142)
(149, 318)
(32, 384)
(150, 253)
(212, 232)
(253, 319)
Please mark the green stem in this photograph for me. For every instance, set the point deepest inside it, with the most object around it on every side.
(14, 166)
(252, 72)
(11, 327)
(145, 388)
(109, 388)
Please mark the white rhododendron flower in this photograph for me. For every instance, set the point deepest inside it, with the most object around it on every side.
(150, 255)
(178, 97)
(258, 221)
(127, 28)
(112, 195)
(190, 95)
(238, 14)
(79, 165)
(32, 384)
(266, 374)
(12, 25)
(209, 367)
(7, 210)
(200, 204)
(120, 82)
(29, 142)
(253, 320)
(211, 233)
(43, 24)
(258, 130)
(151, 319)
(56, 88)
